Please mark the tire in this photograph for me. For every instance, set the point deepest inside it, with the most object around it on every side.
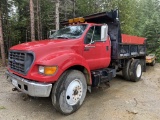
(125, 70)
(69, 92)
(143, 63)
(153, 63)
(135, 70)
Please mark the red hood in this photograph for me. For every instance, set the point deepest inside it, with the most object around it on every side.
(46, 47)
(32, 46)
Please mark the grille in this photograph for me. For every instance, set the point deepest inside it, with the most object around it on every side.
(20, 61)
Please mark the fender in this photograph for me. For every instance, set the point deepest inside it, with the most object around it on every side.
(64, 60)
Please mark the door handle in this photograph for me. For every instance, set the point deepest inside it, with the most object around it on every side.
(107, 48)
(89, 46)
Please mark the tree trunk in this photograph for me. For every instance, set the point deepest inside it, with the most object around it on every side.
(38, 29)
(32, 20)
(5, 26)
(2, 42)
(65, 10)
(74, 6)
(57, 14)
(40, 21)
(40, 25)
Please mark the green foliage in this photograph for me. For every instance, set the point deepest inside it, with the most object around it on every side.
(2, 107)
(150, 27)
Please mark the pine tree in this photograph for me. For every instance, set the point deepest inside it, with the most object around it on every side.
(57, 14)
(32, 20)
(1, 40)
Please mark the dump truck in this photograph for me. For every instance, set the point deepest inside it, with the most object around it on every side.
(86, 52)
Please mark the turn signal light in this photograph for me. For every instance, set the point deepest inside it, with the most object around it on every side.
(46, 70)
(50, 70)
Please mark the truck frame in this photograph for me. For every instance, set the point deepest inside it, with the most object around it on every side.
(86, 53)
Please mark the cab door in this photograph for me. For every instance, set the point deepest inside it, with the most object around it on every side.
(97, 50)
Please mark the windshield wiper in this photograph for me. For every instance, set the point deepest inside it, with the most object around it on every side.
(62, 37)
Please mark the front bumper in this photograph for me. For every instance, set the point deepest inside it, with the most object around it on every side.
(35, 89)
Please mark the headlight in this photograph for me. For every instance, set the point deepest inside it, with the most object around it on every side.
(47, 70)
(41, 69)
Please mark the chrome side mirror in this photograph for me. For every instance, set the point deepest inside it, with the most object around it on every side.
(104, 32)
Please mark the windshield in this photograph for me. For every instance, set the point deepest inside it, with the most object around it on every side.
(69, 32)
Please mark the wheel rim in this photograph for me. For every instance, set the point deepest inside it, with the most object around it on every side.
(74, 92)
(139, 70)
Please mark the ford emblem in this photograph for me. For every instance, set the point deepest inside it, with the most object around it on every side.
(14, 61)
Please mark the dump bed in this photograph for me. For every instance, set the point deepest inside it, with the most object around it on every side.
(130, 46)
(129, 39)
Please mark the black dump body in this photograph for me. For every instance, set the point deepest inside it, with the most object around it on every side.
(118, 49)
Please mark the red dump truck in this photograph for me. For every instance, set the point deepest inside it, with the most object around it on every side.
(86, 52)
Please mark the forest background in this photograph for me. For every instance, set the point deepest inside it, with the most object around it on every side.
(28, 20)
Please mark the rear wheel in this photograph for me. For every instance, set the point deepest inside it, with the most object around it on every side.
(125, 70)
(69, 92)
(135, 70)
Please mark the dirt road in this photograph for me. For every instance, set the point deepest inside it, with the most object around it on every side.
(122, 101)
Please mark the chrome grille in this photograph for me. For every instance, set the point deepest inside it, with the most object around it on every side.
(20, 61)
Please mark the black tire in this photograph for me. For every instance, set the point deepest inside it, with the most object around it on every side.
(125, 70)
(135, 70)
(63, 102)
(143, 63)
(153, 63)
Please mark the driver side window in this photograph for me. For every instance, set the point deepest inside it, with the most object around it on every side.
(94, 34)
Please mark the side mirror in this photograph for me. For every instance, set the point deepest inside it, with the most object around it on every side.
(104, 32)
(51, 32)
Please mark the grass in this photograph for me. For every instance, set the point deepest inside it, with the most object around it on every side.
(2, 107)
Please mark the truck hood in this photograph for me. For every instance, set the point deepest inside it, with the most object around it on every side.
(32, 46)
(43, 48)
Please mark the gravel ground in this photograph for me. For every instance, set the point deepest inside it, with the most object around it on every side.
(124, 100)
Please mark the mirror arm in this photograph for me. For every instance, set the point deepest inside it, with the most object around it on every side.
(92, 36)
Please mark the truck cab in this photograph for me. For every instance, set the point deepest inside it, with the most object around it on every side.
(85, 52)
(95, 42)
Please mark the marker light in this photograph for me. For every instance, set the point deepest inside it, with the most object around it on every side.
(81, 19)
(76, 20)
(70, 21)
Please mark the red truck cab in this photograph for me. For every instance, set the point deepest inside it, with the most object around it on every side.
(61, 52)
(74, 58)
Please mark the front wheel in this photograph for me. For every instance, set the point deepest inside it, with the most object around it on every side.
(69, 92)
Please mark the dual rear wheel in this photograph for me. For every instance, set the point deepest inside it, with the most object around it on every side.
(132, 71)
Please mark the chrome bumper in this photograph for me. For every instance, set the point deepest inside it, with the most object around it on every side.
(31, 88)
